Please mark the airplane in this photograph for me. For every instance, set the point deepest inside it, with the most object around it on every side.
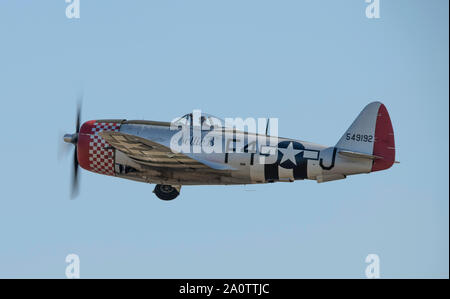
(144, 151)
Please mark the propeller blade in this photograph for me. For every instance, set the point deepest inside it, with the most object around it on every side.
(75, 154)
(77, 128)
(75, 174)
(73, 139)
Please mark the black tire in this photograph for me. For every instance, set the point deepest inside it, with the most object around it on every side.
(166, 192)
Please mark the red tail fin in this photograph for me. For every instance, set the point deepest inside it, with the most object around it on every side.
(384, 145)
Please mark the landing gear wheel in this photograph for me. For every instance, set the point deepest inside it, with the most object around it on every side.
(166, 192)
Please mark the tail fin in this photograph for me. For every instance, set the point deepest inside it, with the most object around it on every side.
(371, 133)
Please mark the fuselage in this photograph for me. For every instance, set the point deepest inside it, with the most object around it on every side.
(249, 161)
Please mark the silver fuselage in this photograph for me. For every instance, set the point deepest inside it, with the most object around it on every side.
(247, 166)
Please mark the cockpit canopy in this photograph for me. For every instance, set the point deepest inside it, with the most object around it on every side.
(204, 120)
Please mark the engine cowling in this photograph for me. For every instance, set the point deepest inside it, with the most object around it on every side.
(94, 153)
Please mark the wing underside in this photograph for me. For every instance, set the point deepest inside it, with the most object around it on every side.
(153, 154)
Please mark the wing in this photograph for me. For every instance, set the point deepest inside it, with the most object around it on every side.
(153, 154)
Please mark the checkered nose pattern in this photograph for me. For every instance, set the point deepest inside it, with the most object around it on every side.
(94, 153)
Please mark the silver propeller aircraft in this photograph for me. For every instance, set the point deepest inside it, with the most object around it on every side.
(197, 150)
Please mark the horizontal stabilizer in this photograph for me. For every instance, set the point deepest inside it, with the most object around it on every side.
(358, 155)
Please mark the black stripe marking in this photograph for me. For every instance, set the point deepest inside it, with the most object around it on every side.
(301, 170)
(271, 172)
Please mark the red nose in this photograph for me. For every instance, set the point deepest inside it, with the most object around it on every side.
(94, 153)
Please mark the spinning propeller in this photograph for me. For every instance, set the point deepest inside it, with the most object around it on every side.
(73, 139)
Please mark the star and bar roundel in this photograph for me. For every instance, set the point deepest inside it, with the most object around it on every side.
(292, 156)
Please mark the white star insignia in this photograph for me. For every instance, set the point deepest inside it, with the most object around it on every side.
(289, 153)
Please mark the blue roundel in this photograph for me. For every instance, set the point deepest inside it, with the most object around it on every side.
(290, 154)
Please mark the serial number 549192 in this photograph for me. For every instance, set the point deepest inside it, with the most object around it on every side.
(359, 137)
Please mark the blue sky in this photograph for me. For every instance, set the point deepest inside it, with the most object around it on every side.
(312, 64)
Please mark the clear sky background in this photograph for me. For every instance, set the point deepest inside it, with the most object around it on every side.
(312, 64)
